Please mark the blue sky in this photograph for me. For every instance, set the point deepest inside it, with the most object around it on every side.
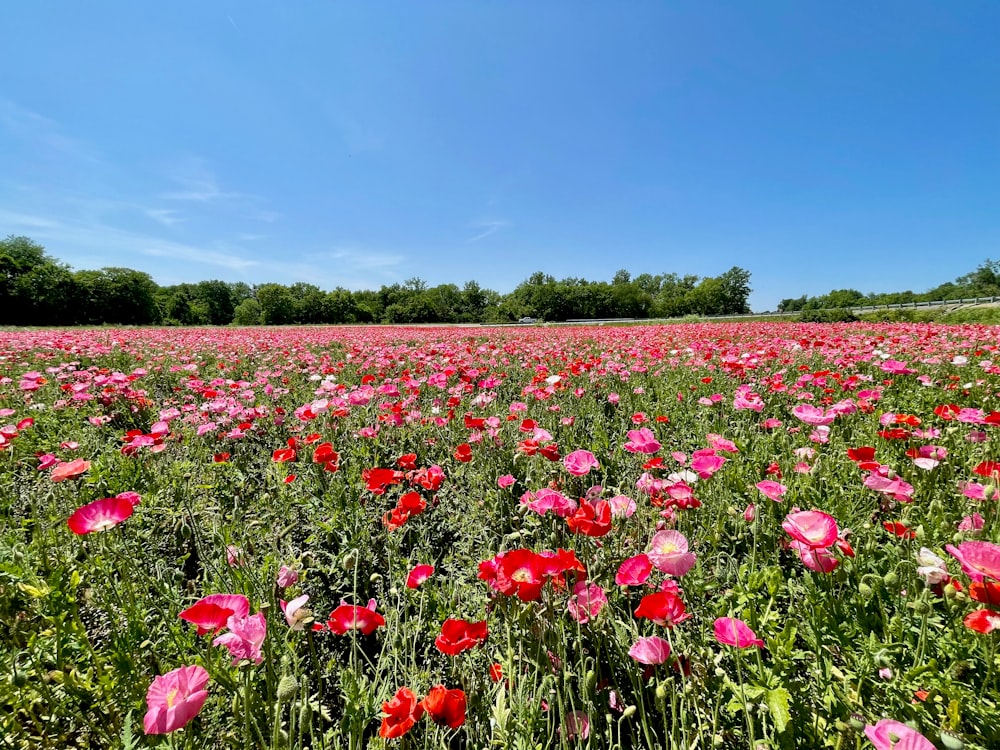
(819, 145)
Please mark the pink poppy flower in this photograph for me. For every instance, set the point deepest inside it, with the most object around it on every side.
(287, 577)
(653, 650)
(634, 571)
(211, 613)
(750, 513)
(47, 461)
(418, 575)
(978, 559)
(975, 522)
(668, 551)
(731, 631)
(69, 470)
(813, 416)
(245, 638)
(817, 559)
(706, 464)
(580, 462)
(813, 528)
(773, 490)
(234, 556)
(888, 734)
(505, 481)
(174, 699)
(577, 724)
(622, 506)
(587, 601)
(642, 441)
(349, 617)
(99, 515)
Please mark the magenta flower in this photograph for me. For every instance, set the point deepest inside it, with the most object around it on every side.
(813, 528)
(577, 724)
(580, 462)
(706, 464)
(634, 571)
(100, 515)
(731, 631)
(978, 559)
(505, 481)
(174, 699)
(642, 441)
(817, 559)
(894, 735)
(653, 650)
(587, 601)
(245, 637)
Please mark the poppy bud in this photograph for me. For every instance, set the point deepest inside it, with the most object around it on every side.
(661, 691)
(287, 688)
(951, 741)
(350, 560)
(628, 712)
(858, 721)
(891, 578)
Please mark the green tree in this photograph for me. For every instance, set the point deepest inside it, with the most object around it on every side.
(276, 303)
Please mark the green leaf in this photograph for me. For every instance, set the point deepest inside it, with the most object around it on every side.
(777, 705)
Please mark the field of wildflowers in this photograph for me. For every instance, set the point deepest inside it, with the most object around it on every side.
(690, 536)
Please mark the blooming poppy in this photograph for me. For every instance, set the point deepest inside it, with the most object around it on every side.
(899, 529)
(458, 636)
(245, 638)
(463, 453)
(664, 608)
(731, 631)
(174, 699)
(591, 519)
(418, 575)
(653, 650)
(587, 601)
(210, 613)
(812, 528)
(446, 706)
(69, 470)
(402, 712)
(99, 515)
(580, 462)
(888, 734)
(668, 551)
(349, 617)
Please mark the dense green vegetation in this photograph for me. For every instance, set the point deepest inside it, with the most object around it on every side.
(37, 289)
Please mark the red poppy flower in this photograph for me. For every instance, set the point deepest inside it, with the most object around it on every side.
(211, 613)
(550, 451)
(376, 480)
(407, 461)
(283, 455)
(348, 617)
(325, 454)
(496, 672)
(899, 529)
(474, 423)
(985, 592)
(69, 470)
(591, 519)
(402, 712)
(430, 478)
(445, 706)
(220, 458)
(983, 621)
(463, 453)
(458, 636)
(663, 608)
(988, 469)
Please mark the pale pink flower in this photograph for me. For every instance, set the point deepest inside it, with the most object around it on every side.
(771, 489)
(974, 522)
(931, 568)
(652, 650)
(295, 611)
(813, 416)
(622, 506)
(668, 551)
(287, 577)
(817, 559)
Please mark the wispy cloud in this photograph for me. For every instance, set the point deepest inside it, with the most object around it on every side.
(486, 228)
(166, 216)
(43, 133)
(176, 251)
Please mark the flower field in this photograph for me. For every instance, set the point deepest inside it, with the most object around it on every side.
(690, 536)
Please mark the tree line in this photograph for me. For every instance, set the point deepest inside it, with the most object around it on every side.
(37, 289)
(983, 282)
